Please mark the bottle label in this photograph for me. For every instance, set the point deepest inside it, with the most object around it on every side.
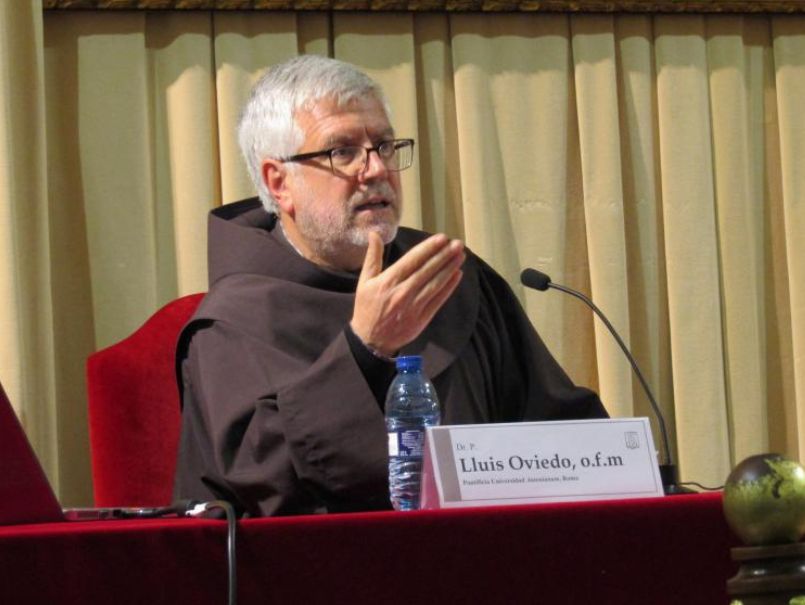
(406, 444)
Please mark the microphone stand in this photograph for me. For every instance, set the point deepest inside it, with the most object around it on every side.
(668, 471)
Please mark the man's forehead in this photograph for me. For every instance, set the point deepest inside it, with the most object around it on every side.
(329, 121)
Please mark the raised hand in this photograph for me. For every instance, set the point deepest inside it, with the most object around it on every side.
(392, 307)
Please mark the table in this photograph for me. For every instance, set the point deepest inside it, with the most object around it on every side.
(672, 550)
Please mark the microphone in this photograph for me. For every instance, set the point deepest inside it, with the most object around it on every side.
(537, 280)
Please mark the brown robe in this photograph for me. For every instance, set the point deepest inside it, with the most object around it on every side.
(282, 404)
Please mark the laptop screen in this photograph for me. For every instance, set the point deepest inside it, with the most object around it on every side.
(25, 494)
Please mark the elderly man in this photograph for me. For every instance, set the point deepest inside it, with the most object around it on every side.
(314, 288)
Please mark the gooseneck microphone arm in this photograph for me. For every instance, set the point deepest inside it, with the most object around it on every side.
(531, 278)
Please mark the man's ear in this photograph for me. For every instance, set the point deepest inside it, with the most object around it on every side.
(276, 179)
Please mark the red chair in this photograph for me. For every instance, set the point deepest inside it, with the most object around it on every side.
(134, 414)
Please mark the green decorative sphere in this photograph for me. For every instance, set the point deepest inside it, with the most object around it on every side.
(764, 500)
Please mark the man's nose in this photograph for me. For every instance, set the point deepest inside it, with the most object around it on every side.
(374, 167)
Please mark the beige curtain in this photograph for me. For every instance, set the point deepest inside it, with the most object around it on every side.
(29, 342)
(653, 162)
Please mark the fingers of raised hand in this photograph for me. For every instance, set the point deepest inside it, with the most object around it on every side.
(439, 287)
(432, 305)
(420, 255)
(373, 261)
(425, 262)
(411, 303)
(410, 295)
(393, 307)
(432, 278)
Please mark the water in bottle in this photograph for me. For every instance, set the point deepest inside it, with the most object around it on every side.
(411, 406)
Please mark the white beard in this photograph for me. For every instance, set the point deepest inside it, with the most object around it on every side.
(328, 232)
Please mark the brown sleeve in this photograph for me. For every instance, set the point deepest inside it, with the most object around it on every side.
(279, 434)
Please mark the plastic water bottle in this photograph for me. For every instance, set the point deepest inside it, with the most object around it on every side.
(411, 406)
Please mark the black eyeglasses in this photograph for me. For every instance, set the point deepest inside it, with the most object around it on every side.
(350, 160)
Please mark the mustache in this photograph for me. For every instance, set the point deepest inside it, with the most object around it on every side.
(376, 190)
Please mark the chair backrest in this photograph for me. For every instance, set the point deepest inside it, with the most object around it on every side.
(134, 411)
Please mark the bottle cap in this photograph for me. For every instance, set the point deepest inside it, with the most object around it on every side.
(409, 363)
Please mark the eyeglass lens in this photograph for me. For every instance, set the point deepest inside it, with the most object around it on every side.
(395, 155)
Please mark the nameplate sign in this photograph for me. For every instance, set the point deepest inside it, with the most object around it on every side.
(526, 462)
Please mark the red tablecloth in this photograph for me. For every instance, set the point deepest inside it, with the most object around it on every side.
(672, 550)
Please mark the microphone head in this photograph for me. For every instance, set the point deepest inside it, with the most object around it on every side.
(531, 278)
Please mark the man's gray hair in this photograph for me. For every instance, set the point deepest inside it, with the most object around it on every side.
(268, 127)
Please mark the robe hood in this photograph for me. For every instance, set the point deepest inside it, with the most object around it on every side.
(243, 240)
